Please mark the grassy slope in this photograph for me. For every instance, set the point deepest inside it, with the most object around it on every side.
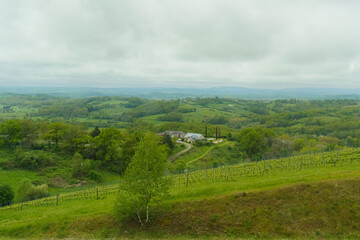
(14, 177)
(193, 153)
(275, 205)
(207, 151)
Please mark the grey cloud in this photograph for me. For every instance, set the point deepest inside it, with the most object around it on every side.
(247, 43)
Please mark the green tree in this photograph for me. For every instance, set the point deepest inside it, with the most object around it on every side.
(128, 150)
(74, 138)
(77, 162)
(144, 181)
(23, 190)
(56, 132)
(29, 132)
(96, 132)
(168, 141)
(10, 132)
(109, 145)
(6, 195)
(255, 141)
(298, 144)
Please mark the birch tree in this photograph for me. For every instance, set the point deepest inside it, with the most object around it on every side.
(144, 183)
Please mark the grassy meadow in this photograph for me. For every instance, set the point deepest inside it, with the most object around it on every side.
(262, 205)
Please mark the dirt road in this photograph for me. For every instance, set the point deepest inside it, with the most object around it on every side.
(188, 147)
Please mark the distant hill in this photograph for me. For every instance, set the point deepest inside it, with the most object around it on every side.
(172, 93)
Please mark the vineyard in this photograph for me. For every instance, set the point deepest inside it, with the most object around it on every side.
(219, 174)
(91, 193)
(266, 167)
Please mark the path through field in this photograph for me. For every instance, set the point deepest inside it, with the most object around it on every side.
(188, 147)
(203, 155)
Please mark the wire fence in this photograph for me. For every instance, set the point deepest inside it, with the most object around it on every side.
(211, 175)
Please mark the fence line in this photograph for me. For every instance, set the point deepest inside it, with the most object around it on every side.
(219, 174)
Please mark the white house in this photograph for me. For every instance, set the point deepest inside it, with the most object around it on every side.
(192, 137)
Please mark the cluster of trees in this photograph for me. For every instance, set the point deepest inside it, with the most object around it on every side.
(172, 117)
(40, 145)
(262, 143)
(217, 120)
(144, 185)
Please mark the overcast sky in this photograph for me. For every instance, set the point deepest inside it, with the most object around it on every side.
(196, 43)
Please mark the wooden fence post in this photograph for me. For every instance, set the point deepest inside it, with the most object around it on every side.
(264, 167)
(57, 199)
(206, 174)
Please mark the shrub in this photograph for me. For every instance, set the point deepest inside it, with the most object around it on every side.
(37, 192)
(81, 167)
(6, 195)
(33, 159)
(95, 176)
(178, 167)
(23, 190)
(27, 191)
(200, 143)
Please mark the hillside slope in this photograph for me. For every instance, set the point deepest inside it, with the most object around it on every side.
(320, 210)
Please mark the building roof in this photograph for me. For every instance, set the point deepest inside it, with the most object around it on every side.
(194, 135)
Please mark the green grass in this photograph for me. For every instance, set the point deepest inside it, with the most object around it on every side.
(93, 218)
(320, 210)
(206, 152)
(14, 177)
(178, 148)
(258, 182)
(193, 153)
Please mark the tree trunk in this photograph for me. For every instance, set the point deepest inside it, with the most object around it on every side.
(139, 218)
(147, 213)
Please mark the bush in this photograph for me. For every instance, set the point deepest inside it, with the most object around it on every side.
(178, 167)
(33, 159)
(6, 195)
(37, 192)
(81, 167)
(200, 143)
(95, 176)
(27, 191)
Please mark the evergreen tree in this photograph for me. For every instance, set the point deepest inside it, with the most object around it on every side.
(96, 132)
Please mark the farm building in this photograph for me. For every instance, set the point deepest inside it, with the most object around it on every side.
(192, 137)
(176, 134)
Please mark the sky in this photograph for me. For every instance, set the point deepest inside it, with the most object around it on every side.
(180, 43)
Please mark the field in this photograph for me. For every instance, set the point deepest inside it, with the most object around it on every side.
(92, 216)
